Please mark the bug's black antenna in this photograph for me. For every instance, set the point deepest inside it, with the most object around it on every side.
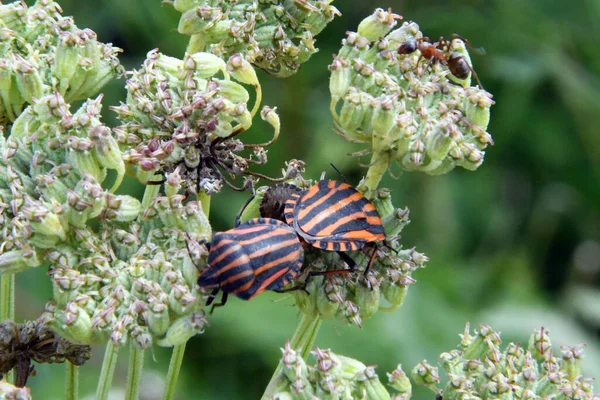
(338, 171)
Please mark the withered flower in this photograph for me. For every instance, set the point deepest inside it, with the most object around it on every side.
(20, 344)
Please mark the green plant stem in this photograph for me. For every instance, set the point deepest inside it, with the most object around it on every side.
(302, 341)
(108, 370)
(196, 44)
(150, 193)
(7, 305)
(379, 164)
(72, 382)
(174, 368)
(134, 373)
(7, 293)
(204, 200)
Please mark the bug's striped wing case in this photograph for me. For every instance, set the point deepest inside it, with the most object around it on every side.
(334, 216)
(261, 254)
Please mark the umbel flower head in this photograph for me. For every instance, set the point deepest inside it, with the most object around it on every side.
(479, 369)
(185, 115)
(351, 297)
(276, 35)
(42, 52)
(405, 105)
(332, 377)
(51, 169)
(132, 281)
(20, 344)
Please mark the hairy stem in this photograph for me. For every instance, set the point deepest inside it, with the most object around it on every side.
(72, 382)
(108, 370)
(379, 164)
(174, 368)
(7, 293)
(7, 305)
(302, 341)
(134, 373)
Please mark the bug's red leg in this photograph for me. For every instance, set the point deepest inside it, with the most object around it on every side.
(373, 254)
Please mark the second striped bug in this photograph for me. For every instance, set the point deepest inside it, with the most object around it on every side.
(260, 254)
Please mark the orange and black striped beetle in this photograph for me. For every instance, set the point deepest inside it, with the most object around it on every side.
(330, 215)
(260, 254)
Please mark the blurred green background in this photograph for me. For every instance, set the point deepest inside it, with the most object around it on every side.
(515, 244)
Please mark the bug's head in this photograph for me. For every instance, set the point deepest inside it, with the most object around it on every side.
(273, 202)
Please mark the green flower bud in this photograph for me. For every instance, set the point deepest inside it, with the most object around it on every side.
(234, 92)
(205, 65)
(241, 70)
(191, 22)
(378, 24)
(340, 79)
(438, 144)
(158, 319)
(425, 375)
(49, 225)
(65, 62)
(571, 361)
(12, 262)
(183, 329)
(28, 80)
(399, 381)
(540, 345)
(367, 300)
(184, 5)
(108, 155)
(127, 208)
(42, 241)
(87, 163)
(74, 324)
(394, 294)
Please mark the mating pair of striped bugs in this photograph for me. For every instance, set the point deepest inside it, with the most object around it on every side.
(267, 253)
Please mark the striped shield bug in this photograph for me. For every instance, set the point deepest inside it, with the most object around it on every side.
(260, 254)
(333, 216)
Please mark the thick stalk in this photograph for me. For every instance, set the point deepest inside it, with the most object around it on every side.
(108, 371)
(72, 382)
(302, 341)
(204, 200)
(174, 368)
(7, 293)
(7, 305)
(379, 164)
(134, 373)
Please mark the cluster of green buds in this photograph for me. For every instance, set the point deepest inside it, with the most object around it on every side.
(404, 106)
(333, 377)
(276, 35)
(479, 369)
(185, 115)
(42, 52)
(133, 281)
(352, 298)
(52, 167)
